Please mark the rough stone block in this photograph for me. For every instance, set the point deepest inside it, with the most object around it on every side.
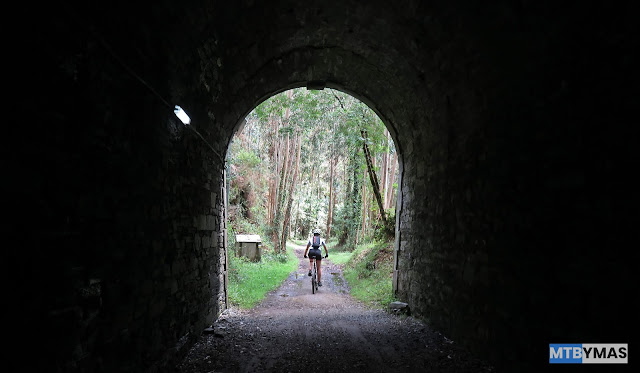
(399, 307)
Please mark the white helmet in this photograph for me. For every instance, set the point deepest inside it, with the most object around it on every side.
(316, 231)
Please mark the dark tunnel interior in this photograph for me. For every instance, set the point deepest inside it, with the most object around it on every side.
(515, 124)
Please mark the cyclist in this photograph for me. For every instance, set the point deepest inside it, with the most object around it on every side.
(315, 242)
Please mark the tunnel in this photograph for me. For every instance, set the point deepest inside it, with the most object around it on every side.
(513, 120)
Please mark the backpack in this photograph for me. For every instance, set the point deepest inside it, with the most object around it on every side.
(315, 242)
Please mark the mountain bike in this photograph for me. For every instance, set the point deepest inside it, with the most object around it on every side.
(314, 275)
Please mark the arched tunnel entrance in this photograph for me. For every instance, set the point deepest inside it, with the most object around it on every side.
(512, 122)
(308, 159)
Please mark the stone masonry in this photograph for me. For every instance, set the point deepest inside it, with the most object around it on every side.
(511, 120)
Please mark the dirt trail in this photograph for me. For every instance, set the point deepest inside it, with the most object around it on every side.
(293, 330)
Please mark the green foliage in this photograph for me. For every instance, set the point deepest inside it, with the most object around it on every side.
(340, 257)
(369, 272)
(250, 282)
(245, 187)
(385, 232)
(329, 122)
(349, 216)
(247, 158)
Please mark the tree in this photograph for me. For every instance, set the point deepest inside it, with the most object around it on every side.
(305, 140)
(372, 175)
(332, 166)
(287, 215)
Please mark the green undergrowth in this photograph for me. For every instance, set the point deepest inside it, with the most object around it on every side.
(298, 242)
(340, 257)
(249, 282)
(369, 272)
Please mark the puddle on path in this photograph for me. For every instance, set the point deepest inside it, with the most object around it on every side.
(337, 279)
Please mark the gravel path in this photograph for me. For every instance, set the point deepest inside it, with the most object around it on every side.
(293, 330)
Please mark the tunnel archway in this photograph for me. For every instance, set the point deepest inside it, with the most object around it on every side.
(417, 109)
(316, 118)
(497, 111)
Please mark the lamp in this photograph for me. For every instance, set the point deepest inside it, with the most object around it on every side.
(181, 115)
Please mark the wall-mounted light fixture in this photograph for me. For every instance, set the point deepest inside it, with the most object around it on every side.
(186, 120)
(182, 115)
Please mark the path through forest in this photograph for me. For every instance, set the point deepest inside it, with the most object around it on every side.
(293, 330)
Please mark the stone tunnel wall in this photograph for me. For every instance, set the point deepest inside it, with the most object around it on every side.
(118, 263)
(504, 166)
(499, 156)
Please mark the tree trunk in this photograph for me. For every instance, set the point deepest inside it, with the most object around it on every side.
(287, 215)
(330, 213)
(392, 179)
(346, 181)
(373, 177)
(356, 198)
(273, 155)
(280, 196)
(284, 161)
(335, 199)
(285, 168)
(364, 205)
(385, 169)
(278, 213)
(296, 222)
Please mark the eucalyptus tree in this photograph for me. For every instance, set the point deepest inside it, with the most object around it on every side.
(312, 151)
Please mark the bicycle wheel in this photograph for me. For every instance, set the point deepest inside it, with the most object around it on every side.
(315, 269)
(313, 278)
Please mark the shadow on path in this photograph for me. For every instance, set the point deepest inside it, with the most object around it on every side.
(293, 330)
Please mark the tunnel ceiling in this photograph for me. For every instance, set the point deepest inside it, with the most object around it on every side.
(394, 58)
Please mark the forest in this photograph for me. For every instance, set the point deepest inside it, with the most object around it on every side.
(306, 159)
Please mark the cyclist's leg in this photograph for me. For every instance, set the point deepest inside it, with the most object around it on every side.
(312, 254)
(319, 265)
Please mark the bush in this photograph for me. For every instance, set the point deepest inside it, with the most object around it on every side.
(386, 232)
(369, 272)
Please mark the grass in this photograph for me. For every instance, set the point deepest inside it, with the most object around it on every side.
(298, 242)
(369, 272)
(340, 257)
(250, 282)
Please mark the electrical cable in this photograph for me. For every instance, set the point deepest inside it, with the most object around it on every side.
(130, 71)
(205, 141)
